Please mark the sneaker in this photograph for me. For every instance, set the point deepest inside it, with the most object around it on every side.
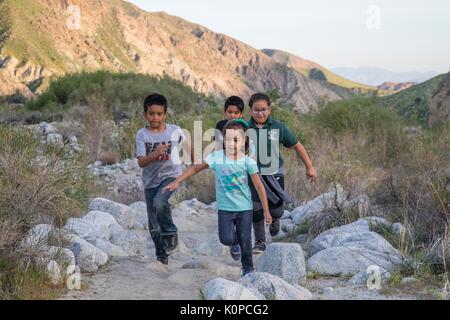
(172, 244)
(259, 247)
(274, 228)
(245, 272)
(235, 252)
(164, 260)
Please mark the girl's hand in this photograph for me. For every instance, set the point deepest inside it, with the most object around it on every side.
(170, 187)
(268, 217)
(311, 173)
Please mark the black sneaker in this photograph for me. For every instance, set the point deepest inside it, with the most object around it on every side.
(259, 247)
(164, 260)
(245, 272)
(274, 228)
(172, 244)
(235, 252)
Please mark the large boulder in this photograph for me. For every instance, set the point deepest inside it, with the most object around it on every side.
(141, 216)
(273, 287)
(222, 289)
(100, 218)
(313, 208)
(285, 260)
(123, 214)
(131, 242)
(87, 256)
(109, 248)
(86, 230)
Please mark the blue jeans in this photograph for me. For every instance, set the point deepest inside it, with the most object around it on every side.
(236, 228)
(160, 223)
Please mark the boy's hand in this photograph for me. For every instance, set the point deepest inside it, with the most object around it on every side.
(170, 187)
(311, 173)
(161, 150)
(268, 217)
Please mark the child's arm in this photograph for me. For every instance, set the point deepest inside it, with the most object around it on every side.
(310, 170)
(191, 171)
(146, 160)
(256, 179)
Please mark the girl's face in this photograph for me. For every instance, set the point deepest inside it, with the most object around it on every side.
(232, 113)
(234, 142)
(260, 111)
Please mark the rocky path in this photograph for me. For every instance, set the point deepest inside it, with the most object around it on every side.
(199, 259)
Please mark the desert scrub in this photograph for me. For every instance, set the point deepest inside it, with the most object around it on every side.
(39, 183)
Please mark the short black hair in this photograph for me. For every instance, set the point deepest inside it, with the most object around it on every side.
(155, 99)
(257, 97)
(235, 101)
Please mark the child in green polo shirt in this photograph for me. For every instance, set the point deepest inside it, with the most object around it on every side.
(270, 133)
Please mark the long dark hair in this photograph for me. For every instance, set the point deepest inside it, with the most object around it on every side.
(237, 124)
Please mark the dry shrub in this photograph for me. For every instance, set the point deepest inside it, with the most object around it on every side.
(39, 183)
(108, 158)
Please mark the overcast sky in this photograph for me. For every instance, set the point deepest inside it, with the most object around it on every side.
(399, 35)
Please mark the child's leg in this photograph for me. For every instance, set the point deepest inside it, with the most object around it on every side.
(153, 224)
(227, 230)
(244, 234)
(162, 209)
(259, 226)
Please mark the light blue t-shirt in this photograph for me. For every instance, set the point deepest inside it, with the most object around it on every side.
(232, 190)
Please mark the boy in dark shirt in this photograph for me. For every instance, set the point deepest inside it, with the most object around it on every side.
(234, 109)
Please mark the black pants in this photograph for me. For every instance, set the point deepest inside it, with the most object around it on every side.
(276, 211)
(236, 228)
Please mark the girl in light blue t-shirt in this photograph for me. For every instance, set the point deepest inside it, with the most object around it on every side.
(233, 167)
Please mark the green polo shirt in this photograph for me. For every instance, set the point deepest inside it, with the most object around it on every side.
(284, 137)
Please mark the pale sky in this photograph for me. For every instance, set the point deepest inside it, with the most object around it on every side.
(399, 35)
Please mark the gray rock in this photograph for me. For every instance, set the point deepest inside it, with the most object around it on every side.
(130, 242)
(55, 138)
(222, 289)
(88, 257)
(46, 128)
(327, 290)
(54, 272)
(122, 213)
(302, 239)
(274, 288)
(348, 260)
(313, 208)
(109, 248)
(86, 229)
(287, 225)
(286, 215)
(399, 229)
(141, 216)
(353, 234)
(284, 260)
(63, 256)
(361, 277)
(100, 218)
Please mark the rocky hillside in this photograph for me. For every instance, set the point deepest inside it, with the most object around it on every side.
(394, 87)
(116, 35)
(415, 102)
(314, 70)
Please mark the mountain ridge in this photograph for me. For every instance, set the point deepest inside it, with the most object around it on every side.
(118, 36)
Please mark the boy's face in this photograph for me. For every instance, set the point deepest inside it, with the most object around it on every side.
(155, 116)
(260, 111)
(232, 113)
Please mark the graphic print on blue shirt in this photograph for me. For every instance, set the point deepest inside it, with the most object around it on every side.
(151, 147)
(233, 181)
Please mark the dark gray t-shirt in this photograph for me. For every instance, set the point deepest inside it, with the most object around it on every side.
(168, 165)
